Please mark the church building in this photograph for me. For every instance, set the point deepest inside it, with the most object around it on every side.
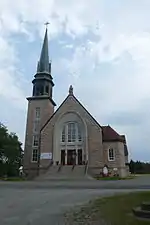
(68, 138)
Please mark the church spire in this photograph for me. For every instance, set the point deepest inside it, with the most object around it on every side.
(43, 80)
(43, 64)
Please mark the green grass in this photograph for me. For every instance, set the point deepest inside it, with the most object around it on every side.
(13, 179)
(115, 178)
(118, 209)
(115, 210)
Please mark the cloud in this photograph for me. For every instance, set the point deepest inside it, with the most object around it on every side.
(73, 17)
(10, 78)
(126, 83)
(115, 71)
(21, 18)
(68, 46)
(108, 64)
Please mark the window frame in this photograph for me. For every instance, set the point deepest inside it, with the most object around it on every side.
(63, 134)
(71, 135)
(36, 126)
(71, 132)
(33, 141)
(110, 158)
(37, 113)
(79, 133)
(34, 155)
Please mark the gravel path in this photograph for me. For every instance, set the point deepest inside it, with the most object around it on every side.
(37, 203)
(43, 206)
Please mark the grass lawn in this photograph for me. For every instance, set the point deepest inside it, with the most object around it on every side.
(115, 210)
(12, 179)
(115, 178)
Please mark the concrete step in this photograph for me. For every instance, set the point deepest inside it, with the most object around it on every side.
(52, 170)
(145, 206)
(64, 172)
(143, 214)
(69, 170)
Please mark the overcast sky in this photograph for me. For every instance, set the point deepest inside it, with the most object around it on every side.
(101, 47)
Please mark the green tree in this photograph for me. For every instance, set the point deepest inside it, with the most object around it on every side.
(139, 168)
(132, 166)
(10, 152)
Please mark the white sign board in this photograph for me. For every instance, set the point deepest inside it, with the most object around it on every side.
(46, 155)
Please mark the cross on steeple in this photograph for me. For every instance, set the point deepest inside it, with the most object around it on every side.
(70, 90)
(46, 24)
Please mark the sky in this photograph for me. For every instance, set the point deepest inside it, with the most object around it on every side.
(101, 47)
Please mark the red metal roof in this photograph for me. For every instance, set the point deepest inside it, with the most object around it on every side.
(109, 134)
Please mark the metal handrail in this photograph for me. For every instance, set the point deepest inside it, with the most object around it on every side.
(86, 166)
(73, 166)
(60, 167)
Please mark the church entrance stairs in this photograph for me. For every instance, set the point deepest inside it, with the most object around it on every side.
(65, 172)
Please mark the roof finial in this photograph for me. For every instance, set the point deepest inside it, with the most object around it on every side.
(70, 90)
(46, 24)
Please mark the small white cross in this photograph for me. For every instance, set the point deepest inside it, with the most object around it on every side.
(46, 24)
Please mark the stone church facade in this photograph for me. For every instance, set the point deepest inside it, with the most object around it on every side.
(69, 136)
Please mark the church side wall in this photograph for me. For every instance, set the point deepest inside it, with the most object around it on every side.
(119, 161)
(94, 144)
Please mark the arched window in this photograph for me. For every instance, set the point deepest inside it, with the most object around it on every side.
(63, 136)
(79, 134)
(71, 132)
(111, 154)
(39, 90)
(47, 89)
(34, 90)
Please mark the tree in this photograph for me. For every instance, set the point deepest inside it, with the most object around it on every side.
(131, 166)
(139, 167)
(10, 152)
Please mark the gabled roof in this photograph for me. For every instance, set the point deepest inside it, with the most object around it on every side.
(87, 112)
(61, 106)
(109, 134)
(124, 138)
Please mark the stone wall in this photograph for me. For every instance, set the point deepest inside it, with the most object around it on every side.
(93, 132)
(47, 110)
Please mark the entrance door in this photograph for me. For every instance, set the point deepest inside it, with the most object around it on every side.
(71, 157)
(63, 157)
(79, 156)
